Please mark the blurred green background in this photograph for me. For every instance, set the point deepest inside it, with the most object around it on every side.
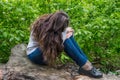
(96, 24)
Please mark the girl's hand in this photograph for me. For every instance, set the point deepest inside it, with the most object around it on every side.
(69, 32)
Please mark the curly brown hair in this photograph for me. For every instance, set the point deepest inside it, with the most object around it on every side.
(47, 30)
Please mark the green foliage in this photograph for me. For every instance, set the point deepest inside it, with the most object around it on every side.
(96, 24)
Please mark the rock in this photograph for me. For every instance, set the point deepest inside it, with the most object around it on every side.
(19, 67)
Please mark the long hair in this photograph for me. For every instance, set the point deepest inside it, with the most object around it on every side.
(47, 30)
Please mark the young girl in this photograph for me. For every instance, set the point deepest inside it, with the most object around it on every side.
(50, 35)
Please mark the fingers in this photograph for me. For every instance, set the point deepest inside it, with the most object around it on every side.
(69, 32)
(69, 29)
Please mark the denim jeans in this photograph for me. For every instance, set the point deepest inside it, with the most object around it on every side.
(37, 57)
(70, 47)
(73, 51)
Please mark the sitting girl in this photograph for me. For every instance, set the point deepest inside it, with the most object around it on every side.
(50, 35)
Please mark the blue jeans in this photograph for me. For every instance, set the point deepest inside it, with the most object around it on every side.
(37, 57)
(70, 47)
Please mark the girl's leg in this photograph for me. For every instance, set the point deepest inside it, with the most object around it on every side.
(68, 39)
(77, 46)
(37, 57)
(74, 53)
(85, 66)
(88, 65)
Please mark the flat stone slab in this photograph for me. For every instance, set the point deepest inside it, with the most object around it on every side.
(20, 68)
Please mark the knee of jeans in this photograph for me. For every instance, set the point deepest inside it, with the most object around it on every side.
(69, 37)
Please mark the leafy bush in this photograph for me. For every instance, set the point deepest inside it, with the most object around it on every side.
(96, 24)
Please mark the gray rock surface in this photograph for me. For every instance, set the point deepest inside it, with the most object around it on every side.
(20, 68)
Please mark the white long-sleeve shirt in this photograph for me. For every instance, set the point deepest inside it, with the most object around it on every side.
(33, 44)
